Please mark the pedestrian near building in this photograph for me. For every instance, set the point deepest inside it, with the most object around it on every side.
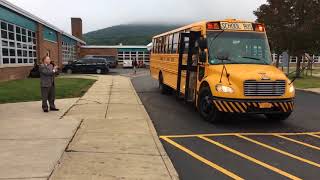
(47, 81)
(135, 64)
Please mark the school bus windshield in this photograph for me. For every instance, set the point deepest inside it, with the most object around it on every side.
(238, 48)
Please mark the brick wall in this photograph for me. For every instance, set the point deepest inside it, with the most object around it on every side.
(11, 73)
(76, 27)
(44, 46)
(98, 51)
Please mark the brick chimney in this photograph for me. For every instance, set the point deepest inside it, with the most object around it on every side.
(76, 27)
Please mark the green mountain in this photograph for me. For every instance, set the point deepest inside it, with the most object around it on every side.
(132, 34)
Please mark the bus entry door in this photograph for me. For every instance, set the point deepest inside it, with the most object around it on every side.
(187, 67)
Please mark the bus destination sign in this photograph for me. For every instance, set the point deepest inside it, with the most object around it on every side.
(236, 26)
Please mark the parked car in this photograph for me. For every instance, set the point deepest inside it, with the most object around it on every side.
(113, 63)
(87, 65)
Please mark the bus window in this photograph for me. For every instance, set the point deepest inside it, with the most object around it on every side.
(166, 45)
(158, 45)
(162, 45)
(170, 43)
(176, 37)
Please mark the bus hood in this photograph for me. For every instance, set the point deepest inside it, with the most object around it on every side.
(242, 72)
(239, 73)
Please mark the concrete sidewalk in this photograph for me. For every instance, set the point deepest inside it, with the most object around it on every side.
(32, 142)
(116, 139)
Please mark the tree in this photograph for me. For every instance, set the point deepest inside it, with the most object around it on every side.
(292, 25)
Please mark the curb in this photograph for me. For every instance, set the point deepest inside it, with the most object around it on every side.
(171, 170)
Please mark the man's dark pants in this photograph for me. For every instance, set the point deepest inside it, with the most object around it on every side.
(48, 94)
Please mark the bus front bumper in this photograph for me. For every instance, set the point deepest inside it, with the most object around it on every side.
(253, 106)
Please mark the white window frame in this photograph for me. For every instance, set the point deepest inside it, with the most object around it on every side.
(33, 44)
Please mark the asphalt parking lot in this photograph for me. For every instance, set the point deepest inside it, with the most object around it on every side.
(242, 147)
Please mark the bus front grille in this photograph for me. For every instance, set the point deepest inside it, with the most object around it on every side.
(264, 88)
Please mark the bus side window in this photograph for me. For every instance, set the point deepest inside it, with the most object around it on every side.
(162, 45)
(176, 37)
(159, 44)
(166, 45)
(153, 45)
(170, 43)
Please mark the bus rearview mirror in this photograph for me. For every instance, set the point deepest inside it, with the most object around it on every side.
(203, 44)
(203, 57)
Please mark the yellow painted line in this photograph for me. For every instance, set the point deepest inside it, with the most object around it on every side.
(249, 158)
(298, 142)
(314, 135)
(246, 134)
(203, 160)
(280, 151)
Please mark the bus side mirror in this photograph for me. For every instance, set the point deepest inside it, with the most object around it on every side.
(203, 44)
(203, 57)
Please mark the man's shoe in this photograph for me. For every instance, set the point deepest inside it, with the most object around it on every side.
(54, 109)
(45, 110)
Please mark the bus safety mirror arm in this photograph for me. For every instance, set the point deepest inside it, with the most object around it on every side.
(292, 80)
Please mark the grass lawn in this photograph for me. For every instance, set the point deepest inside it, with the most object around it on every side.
(29, 89)
(307, 82)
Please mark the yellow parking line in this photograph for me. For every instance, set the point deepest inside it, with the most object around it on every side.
(202, 159)
(298, 142)
(245, 134)
(249, 158)
(279, 151)
(314, 135)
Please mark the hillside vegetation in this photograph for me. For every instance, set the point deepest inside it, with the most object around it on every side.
(133, 34)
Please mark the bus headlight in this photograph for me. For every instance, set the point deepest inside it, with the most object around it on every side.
(224, 89)
(291, 89)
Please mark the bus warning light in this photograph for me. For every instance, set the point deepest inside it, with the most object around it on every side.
(259, 27)
(213, 26)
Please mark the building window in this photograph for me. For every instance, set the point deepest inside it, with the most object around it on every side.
(17, 44)
(69, 53)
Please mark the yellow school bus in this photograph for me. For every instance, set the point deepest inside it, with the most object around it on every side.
(224, 67)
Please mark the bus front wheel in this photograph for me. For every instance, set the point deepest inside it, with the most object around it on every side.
(207, 110)
(278, 117)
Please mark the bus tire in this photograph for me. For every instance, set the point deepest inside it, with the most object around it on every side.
(164, 89)
(278, 116)
(206, 109)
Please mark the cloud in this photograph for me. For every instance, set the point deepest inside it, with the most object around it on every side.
(98, 14)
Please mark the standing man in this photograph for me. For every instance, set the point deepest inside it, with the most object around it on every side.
(47, 74)
(135, 64)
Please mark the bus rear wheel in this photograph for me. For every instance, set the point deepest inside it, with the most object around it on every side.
(164, 89)
(205, 107)
(278, 116)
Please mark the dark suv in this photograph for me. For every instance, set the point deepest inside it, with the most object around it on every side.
(87, 65)
(112, 61)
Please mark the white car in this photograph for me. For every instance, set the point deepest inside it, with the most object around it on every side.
(127, 64)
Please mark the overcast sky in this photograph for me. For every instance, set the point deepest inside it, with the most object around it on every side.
(97, 14)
